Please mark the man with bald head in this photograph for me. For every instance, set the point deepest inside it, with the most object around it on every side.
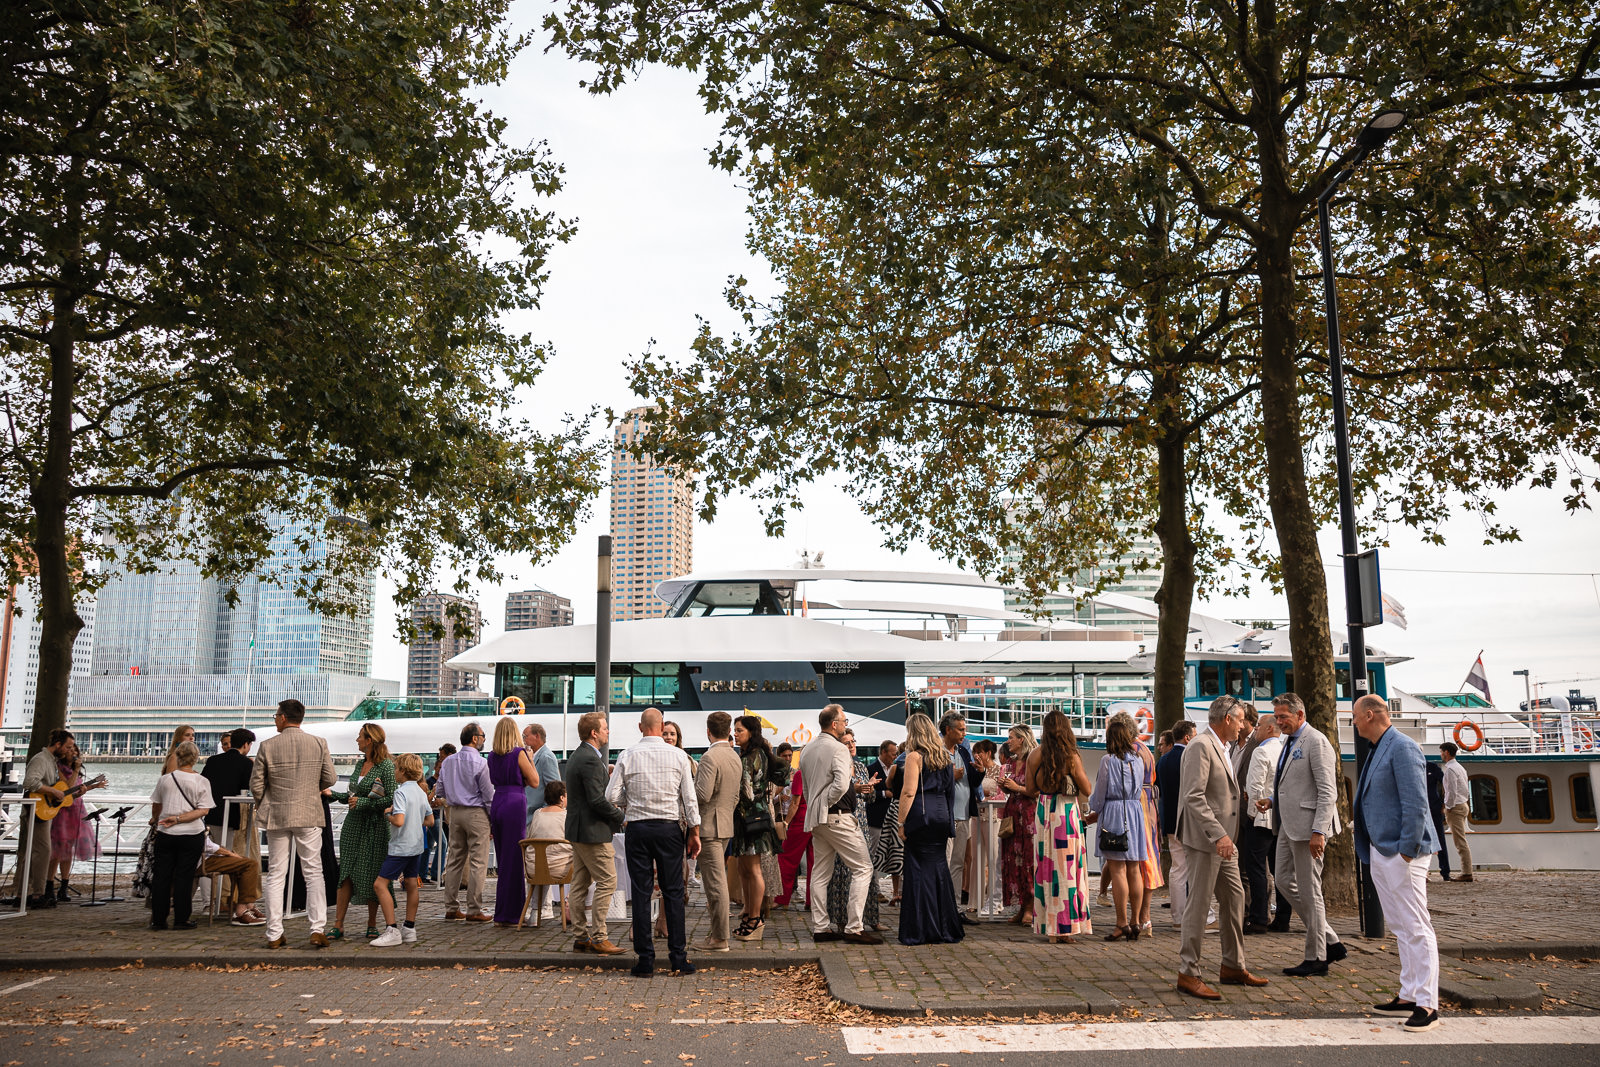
(653, 784)
(1395, 837)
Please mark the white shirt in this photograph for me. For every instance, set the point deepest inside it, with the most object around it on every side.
(1258, 779)
(180, 792)
(1455, 784)
(1222, 750)
(654, 780)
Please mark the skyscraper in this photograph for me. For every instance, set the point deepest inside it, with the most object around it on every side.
(19, 653)
(531, 609)
(652, 524)
(175, 651)
(426, 673)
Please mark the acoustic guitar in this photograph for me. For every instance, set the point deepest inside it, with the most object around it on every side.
(47, 811)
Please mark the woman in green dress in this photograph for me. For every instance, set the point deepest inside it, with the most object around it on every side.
(754, 833)
(364, 840)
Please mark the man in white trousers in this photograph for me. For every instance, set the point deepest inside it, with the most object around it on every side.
(1395, 836)
(826, 769)
(291, 771)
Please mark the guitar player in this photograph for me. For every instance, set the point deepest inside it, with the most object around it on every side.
(38, 778)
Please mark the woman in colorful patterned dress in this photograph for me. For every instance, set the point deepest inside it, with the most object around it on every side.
(1017, 861)
(1054, 772)
(364, 838)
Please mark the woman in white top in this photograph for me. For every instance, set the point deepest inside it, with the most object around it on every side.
(550, 822)
(183, 798)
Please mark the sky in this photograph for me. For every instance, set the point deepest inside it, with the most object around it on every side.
(659, 233)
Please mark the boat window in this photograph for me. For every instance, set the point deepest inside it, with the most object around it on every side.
(1236, 682)
(1341, 683)
(1288, 680)
(733, 598)
(1191, 681)
(1210, 680)
(1484, 798)
(1261, 683)
(1533, 796)
(1582, 798)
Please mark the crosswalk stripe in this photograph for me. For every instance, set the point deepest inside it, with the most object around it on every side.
(1220, 1033)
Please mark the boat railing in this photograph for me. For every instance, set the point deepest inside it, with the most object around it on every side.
(995, 714)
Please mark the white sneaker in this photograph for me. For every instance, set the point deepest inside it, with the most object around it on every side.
(408, 934)
(547, 912)
(388, 939)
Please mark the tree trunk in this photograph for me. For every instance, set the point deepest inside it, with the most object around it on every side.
(51, 497)
(1305, 582)
(1175, 597)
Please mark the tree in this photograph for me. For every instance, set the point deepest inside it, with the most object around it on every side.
(1468, 283)
(254, 262)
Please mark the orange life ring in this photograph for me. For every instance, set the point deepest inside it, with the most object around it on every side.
(1147, 723)
(1477, 734)
(513, 702)
(1586, 735)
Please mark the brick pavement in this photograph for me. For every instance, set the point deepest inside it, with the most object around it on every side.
(1000, 968)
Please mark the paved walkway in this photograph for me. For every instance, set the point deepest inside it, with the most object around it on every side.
(999, 969)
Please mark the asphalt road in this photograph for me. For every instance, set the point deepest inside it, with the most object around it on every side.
(336, 1015)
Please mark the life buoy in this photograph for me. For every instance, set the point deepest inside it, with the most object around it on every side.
(1477, 735)
(513, 702)
(1147, 723)
(1583, 734)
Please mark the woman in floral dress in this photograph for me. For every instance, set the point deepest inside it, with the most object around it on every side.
(754, 832)
(1054, 771)
(364, 839)
(1016, 852)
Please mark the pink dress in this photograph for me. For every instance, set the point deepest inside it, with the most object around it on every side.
(1152, 822)
(70, 837)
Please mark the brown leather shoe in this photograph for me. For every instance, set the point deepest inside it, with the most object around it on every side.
(278, 942)
(453, 915)
(1240, 976)
(1192, 985)
(319, 940)
(1463, 878)
(480, 918)
(605, 947)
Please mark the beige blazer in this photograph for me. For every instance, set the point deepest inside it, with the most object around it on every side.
(716, 787)
(1208, 796)
(292, 769)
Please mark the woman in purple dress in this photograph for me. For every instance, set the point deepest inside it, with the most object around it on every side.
(510, 769)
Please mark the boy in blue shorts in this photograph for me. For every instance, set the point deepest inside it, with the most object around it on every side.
(409, 813)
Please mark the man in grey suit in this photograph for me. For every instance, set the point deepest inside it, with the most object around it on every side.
(716, 786)
(1306, 798)
(290, 773)
(1208, 819)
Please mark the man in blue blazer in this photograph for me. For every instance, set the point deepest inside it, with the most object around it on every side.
(1395, 837)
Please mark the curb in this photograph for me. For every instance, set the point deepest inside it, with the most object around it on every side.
(840, 976)
(1517, 950)
(295, 957)
(1468, 993)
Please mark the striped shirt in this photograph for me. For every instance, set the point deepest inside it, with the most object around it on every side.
(654, 780)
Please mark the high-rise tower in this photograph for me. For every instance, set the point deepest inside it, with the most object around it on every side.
(652, 524)
(426, 673)
(533, 609)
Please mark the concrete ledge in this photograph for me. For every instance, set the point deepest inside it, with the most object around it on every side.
(1471, 993)
(306, 957)
(840, 975)
(1520, 950)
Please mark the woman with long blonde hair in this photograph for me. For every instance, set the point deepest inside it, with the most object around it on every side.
(364, 839)
(179, 736)
(1054, 774)
(928, 912)
(511, 770)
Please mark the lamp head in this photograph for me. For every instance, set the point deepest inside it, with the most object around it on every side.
(1380, 129)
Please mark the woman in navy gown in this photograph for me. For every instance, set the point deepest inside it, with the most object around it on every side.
(928, 912)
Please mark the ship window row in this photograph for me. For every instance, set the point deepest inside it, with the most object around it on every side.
(549, 684)
(1535, 798)
(1207, 680)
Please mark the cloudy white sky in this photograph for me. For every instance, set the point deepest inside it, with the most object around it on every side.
(659, 233)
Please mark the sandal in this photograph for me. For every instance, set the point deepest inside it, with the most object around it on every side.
(1118, 934)
(373, 931)
(335, 933)
(1133, 931)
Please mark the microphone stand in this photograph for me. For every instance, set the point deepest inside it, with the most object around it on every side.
(94, 878)
(119, 817)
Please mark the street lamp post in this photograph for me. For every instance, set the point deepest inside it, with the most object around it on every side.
(1527, 690)
(1372, 137)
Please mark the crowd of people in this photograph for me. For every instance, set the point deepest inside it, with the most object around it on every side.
(1233, 818)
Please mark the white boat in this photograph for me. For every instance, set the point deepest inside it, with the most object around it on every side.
(747, 641)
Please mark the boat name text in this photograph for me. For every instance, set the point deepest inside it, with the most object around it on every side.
(757, 685)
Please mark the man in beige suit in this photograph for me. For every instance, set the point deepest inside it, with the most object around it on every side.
(716, 786)
(1208, 821)
(291, 771)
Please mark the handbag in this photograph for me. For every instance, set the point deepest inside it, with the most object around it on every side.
(1007, 827)
(1114, 840)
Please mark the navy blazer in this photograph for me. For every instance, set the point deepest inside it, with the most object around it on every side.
(1392, 801)
(1167, 770)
